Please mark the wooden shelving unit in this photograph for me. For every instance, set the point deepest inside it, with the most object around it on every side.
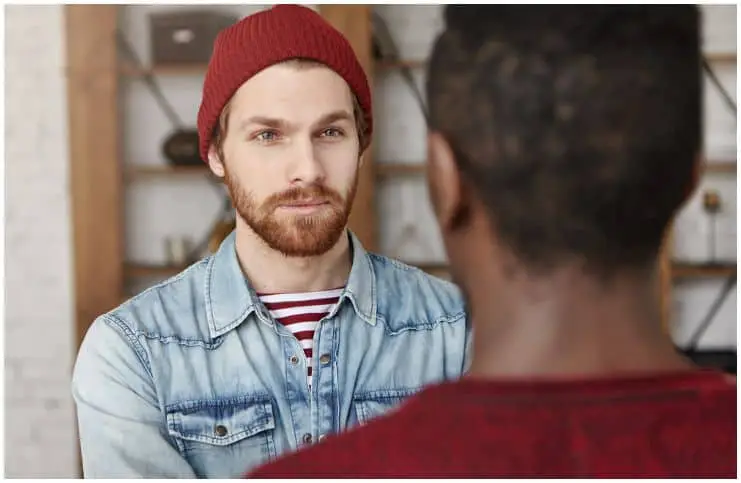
(200, 69)
(720, 56)
(137, 270)
(721, 167)
(684, 271)
(680, 271)
(385, 170)
(98, 192)
(134, 173)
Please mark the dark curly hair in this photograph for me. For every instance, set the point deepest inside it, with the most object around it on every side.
(578, 127)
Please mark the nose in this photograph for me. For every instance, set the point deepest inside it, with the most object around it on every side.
(306, 168)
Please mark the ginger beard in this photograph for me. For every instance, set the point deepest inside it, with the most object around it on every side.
(294, 235)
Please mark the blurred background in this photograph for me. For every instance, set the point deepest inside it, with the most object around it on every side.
(105, 195)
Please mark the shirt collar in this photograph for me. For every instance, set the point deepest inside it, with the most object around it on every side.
(230, 298)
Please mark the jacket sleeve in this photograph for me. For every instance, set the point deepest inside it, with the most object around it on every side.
(122, 430)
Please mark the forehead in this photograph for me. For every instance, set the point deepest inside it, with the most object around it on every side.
(292, 91)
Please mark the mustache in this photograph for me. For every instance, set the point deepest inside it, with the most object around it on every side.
(299, 194)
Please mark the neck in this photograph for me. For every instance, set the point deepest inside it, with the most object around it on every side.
(566, 325)
(270, 271)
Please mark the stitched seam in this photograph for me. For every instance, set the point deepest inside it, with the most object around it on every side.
(120, 326)
(444, 319)
(194, 404)
(377, 394)
(180, 341)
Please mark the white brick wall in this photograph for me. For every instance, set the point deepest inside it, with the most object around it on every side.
(39, 418)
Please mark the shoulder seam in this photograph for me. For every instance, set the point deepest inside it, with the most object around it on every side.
(123, 328)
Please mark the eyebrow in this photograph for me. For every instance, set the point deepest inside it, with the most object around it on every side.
(276, 123)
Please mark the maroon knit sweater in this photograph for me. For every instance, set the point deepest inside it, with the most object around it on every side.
(670, 425)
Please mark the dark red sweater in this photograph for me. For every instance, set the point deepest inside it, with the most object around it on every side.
(676, 425)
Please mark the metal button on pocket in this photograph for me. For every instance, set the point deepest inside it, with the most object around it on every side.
(324, 359)
(293, 360)
(220, 431)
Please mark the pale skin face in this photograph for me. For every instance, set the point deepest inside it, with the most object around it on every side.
(291, 157)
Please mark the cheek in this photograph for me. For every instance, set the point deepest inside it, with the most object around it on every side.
(341, 166)
(250, 171)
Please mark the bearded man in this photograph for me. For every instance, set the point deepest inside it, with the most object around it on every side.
(291, 331)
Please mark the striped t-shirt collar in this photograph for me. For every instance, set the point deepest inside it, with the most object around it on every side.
(230, 299)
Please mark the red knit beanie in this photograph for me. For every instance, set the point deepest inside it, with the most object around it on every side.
(266, 38)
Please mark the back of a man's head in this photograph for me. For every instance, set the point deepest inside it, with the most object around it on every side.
(577, 127)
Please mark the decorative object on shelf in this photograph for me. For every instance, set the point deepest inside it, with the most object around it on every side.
(711, 203)
(185, 37)
(178, 250)
(181, 146)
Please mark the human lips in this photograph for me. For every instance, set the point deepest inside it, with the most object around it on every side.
(304, 206)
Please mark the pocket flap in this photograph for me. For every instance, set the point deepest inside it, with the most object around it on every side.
(370, 405)
(220, 422)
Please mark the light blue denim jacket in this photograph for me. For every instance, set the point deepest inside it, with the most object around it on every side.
(192, 378)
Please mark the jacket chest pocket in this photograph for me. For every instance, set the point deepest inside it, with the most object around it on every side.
(224, 438)
(372, 404)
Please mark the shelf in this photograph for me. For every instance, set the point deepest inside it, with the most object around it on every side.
(720, 56)
(138, 270)
(725, 167)
(441, 269)
(163, 171)
(400, 169)
(384, 65)
(690, 271)
(164, 70)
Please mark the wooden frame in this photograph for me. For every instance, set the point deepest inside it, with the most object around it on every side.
(95, 167)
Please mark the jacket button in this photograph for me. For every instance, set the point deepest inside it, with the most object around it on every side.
(293, 360)
(307, 438)
(324, 359)
(220, 430)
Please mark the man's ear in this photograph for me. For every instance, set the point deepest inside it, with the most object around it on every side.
(444, 180)
(214, 162)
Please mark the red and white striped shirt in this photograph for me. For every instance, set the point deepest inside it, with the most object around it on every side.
(300, 313)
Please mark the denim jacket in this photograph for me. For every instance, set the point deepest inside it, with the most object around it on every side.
(193, 378)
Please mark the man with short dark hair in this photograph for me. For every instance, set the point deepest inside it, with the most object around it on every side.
(563, 141)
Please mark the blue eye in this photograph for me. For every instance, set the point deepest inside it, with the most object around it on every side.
(332, 132)
(267, 136)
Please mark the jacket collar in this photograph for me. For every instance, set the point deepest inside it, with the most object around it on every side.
(230, 299)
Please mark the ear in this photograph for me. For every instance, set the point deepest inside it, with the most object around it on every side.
(361, 159)
(214, 162)
(444, 181)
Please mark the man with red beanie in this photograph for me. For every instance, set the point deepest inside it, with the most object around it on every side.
(563, 140)
(291, 331)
